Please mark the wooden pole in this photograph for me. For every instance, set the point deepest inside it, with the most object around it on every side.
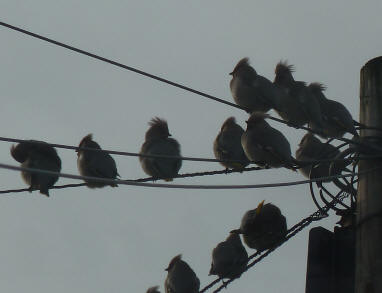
(369, 198)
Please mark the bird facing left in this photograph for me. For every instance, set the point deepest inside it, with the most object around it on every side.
(37, 155)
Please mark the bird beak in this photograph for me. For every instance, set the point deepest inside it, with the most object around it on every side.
(169, 134)
(166, 269)
(231, 73)
(259, 207)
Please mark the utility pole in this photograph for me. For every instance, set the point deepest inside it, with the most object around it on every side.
(369, 198)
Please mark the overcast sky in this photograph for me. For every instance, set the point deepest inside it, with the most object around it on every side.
(121, 239)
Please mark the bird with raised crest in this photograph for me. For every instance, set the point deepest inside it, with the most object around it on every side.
(180, 277)
(299, 106)
(253, 91)
(159, 142)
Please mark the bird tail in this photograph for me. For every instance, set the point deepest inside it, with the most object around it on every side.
(44, 190)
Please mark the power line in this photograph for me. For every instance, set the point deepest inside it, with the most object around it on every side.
(66, 46)
(87, 53)
(147, 179)
(69, 47)
(176, 186)
(120, 153)
(260, 255)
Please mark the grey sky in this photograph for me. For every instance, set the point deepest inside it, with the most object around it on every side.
(121, 239)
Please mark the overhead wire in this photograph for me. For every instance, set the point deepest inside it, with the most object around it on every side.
(178, 85)
(176, 186)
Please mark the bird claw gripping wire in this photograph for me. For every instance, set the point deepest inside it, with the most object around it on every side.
(323, 192)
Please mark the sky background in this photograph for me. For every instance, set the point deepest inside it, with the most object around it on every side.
(121, 239)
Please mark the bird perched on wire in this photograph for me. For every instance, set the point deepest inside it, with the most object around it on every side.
(299, 105)
(95, 163)
(153, 290)
(265, 145)
(158, 142)
(227, 145)
(229, 258)
(336, 119)
(312, 149)
(37, 155)
(251, 90)
(262, 227)
(180, 278)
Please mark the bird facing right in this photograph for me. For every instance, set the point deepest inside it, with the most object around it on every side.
(312, 149)
(299, 105)
(227, 145)
(95, 163)
(265, 145)
(262, 227)
(158, 142)
(337, 120)
(180, 278)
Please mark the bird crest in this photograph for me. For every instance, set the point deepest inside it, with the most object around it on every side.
(228, 122)
(241, 63)
(158, 129)
(86, 139)
(317, 86)
(174, 261)
(283, 67)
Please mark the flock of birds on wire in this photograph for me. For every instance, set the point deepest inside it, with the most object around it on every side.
(296, 102)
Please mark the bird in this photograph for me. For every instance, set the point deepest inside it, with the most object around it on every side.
(153, 289)
(95, 163)
(263, 227)
(312, 149)
(265, 145)
(299, 106)
(38, 155)
(227, 145)
(159, 142)
(336, 119)
(180, 277)
(229, 258)
(251, 90)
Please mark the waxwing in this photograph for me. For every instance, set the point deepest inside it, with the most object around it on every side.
(253, 91)
(229, 258)
(312, 149)
(262, 227)
(336, 119)
(265, 145)
(153, 290)
(158, 142)
(38, 155)
(95, 163)
(180, 278)
(299, 105)
(227, 145)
